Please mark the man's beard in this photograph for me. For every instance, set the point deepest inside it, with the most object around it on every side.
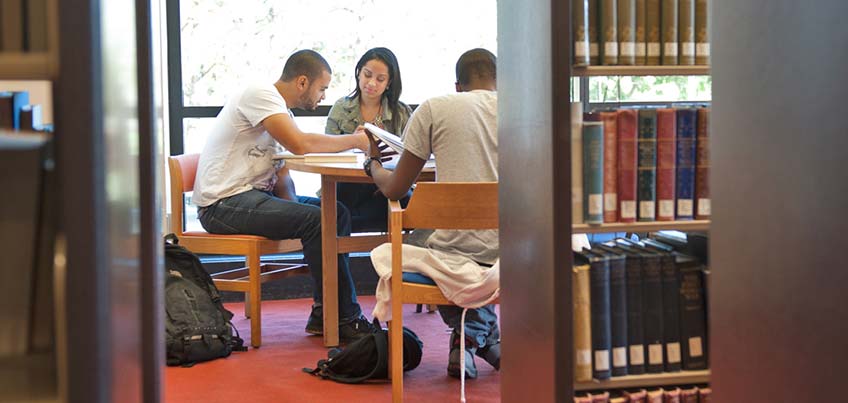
(307, 104)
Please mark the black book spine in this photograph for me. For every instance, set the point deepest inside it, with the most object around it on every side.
(693, 318)
(652, 278)
(599, 279)
(618, 315)
(671, 313)
(635, 308)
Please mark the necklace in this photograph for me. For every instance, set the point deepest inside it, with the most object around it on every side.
(378, 118)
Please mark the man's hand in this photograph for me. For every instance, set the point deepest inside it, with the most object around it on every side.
(284, 188)
(378, 149)
(361, 140)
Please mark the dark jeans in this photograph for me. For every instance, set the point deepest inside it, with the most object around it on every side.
(481, 324)
(368, 208)
(259, 213)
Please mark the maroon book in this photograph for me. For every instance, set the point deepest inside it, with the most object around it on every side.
(655, 396)
(671, 396)
(627, 164)
(637, 397)
(601, 397)
(689, 395)
(666, 163)
(704, 395)
(702, 166)
(610, 120)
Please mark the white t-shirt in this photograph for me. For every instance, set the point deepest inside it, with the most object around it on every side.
(238, 153)
(461, 131)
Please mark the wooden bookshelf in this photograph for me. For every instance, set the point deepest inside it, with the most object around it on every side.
(27, 66)
(647, 226)
(30, 378)
(641, 71)
(647, 380)
(41, 65)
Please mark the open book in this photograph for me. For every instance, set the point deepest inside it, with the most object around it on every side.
(391, 140)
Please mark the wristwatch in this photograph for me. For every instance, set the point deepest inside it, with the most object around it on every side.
(367, 165)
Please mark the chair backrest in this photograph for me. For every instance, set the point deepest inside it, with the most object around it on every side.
(182, 169)
(453, 205)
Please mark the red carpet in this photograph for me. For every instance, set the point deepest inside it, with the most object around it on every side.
(273, 372)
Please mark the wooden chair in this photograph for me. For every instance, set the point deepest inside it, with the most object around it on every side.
(248, 279)
(433, 205)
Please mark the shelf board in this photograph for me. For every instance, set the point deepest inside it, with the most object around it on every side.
(641, 71)
(646, 380)
(647, 226)
(27, 66)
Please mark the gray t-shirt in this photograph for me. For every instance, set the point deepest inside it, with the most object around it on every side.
(461, 131)
(238, 151)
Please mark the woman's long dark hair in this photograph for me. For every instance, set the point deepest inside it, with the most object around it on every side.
(393, 89)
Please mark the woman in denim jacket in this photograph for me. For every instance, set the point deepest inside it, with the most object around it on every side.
(376, 100)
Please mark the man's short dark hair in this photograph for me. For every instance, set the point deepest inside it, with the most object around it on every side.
(307, 63)
(478, 63)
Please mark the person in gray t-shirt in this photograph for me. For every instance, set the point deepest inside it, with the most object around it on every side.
(461, 131)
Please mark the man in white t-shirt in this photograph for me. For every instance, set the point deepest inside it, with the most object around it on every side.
(461, 131)
(240, 189)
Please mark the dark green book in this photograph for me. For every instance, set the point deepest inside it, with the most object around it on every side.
(702, 32)
(641, 33)
(609, 32)
(653, 33)
(686, 34)
(646, 189)
(693, 317)
(626, 32)
(593, 31)
(669, 32)
(593, 170)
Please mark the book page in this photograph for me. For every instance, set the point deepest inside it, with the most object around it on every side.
(390, 139)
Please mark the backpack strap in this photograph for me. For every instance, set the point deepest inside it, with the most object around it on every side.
(381, 344)
(236, 342)
(172, 239)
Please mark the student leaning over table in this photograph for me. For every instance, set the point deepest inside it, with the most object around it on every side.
(461, 132)
(375, 100)
(240, 189)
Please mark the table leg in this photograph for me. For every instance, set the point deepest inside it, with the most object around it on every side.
(330, 251)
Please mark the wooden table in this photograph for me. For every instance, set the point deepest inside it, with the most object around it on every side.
(331, 243)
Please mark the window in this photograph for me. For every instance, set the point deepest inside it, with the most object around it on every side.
(648, 89)
(227, 44)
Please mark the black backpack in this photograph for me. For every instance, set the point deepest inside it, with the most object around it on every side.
(197, 326)
(367, 358)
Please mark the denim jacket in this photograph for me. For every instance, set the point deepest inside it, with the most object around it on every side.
(345, 117)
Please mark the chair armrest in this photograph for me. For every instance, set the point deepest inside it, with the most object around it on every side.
(394, 207)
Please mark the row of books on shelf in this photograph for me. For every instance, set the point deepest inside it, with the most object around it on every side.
(648, 164)
(641, 32)
(639, 308)
(691, 394)
(16, 112)
(23, 25)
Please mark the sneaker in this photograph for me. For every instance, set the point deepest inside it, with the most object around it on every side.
(315, 323)
(492, 354)
(454, 359)
(355, 329)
